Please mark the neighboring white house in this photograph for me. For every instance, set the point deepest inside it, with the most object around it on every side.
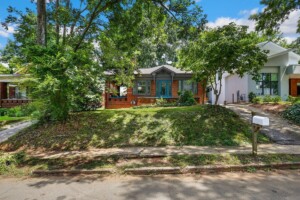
(280, 76)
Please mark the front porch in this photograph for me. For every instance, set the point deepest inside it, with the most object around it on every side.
(11, 94)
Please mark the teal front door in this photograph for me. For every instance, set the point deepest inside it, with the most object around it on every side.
(164, 88)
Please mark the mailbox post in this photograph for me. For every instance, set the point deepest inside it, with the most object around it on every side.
(257, 123)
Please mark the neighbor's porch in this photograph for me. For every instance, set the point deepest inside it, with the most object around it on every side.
(12, 95)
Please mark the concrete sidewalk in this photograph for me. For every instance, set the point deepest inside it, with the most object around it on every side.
(170, 150)
(13, 129)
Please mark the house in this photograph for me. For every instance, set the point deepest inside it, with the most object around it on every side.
(10, 93)
(150, 84)
(280, 76)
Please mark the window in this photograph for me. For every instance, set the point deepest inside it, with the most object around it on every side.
(142, 87)
(187, 85)
(267, 84)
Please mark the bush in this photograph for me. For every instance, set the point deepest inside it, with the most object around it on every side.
(294, 100)
(161, 102)
(15, 112)
(276, 99)
(267, 98)
(187, 99)
(251, 96)
(31, 109)
(293, 113)
(3, 111)
(9, 162)
(257, 100)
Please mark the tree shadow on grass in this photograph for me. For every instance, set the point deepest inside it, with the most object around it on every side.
(196, 125)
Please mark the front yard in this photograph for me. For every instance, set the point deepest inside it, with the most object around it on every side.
(195, 125)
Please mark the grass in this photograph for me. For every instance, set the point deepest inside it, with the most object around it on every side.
(5, 120)
(195, 125)
(22, 165)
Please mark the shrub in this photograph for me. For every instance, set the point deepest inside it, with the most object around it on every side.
(25, 110)
(187, 99)
(161, 101)
(294, 100)
(267, 98)
(8, 162)
(15, 112)
(257, 100)
(3, 111)
(293, 113)
(276, 99)
(251, 96)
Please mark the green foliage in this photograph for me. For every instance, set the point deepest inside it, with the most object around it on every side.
(267, 99)
(293, 113)
(224, 49)
(275, 12)
(276, 99)
(9, 163)
(187, 99)
(3, 111)
(67, 71)
(27, 110)
(251, 96)
(161, 102)
(294, 100)
(257, 100)
(3, 69)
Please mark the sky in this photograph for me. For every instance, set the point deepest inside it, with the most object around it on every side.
(219, 13)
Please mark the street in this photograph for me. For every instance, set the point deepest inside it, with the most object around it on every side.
(259, 185)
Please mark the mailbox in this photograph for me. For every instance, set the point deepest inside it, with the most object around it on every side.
(262, 121)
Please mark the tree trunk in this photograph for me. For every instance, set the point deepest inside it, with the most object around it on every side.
(57, 21)
(65, 26)
(217, 97)
(203, 85)
(41, 22)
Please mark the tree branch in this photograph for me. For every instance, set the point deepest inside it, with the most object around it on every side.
(95, 13)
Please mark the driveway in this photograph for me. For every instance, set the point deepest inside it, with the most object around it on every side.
(246, 186)
(13, 129)
(280, 130)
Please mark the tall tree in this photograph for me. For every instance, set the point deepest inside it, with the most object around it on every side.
(224, 49)
(67, 70)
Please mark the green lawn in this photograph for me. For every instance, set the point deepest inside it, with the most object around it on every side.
(195, 125)
(4, 120)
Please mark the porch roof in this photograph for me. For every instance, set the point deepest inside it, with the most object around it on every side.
(153, 70)
(12, 78)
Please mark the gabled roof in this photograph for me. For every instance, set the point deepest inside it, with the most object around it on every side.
(276, 50)
(152, 70)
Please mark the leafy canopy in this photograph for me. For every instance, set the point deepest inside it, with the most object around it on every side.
(274, 14)
(224, 49)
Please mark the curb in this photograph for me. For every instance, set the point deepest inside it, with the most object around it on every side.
(209, 168)
(72, 172)
(172, 170)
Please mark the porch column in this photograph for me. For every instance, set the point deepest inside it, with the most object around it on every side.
(3, 92)
(153, 86)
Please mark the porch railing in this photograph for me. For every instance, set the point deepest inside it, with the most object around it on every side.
(8, 103)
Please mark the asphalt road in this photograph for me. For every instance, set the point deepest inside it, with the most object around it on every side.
(259, 185)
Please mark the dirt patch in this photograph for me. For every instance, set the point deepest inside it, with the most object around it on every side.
(271, 108)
